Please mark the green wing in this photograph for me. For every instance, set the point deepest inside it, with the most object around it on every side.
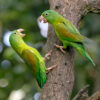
(67, 31)
(38, 67)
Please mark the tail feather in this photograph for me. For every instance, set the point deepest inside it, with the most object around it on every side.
(42, 80)
(80, 48)
(91, 46)
(87, 56)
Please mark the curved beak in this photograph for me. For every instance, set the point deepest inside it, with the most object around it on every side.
(22, 34)
(42, 19)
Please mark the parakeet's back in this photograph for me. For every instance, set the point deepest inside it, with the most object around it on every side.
(36, 62)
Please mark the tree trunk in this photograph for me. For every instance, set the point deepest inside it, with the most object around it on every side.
(60, 81)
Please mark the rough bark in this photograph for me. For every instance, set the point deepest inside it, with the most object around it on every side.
(60, 80)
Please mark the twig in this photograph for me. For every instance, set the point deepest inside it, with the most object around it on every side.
(82, 94)
(95, 96)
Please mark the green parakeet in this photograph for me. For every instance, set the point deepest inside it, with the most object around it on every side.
(67, 33)
(30, 55)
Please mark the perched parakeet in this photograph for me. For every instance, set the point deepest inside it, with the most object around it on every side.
(30, 55)
(67, 33)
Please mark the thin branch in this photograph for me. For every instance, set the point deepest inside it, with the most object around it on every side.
(82, 94)
(95, 96)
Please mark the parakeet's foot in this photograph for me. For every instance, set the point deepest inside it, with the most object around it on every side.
(50, 68)
(47, 56)
(60, 47)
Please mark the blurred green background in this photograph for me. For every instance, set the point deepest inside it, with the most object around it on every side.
(16, 80)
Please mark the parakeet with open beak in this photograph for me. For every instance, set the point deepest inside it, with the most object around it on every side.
(30, 55)
(67, 33)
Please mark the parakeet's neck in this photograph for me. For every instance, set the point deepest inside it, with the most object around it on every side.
(18, 45)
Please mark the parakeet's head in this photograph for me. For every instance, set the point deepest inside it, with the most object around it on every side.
(16, 36)
(50, 16)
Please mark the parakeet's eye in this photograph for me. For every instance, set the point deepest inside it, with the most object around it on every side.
(46, 14)
(15, 33)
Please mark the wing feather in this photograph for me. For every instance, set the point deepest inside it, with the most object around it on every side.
(68, 32)
(38, 69)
